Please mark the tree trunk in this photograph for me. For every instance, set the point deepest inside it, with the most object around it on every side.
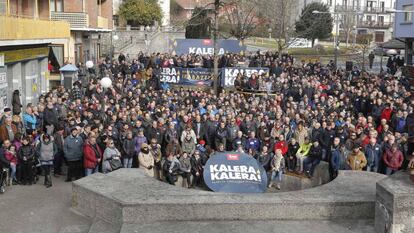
(313, 42)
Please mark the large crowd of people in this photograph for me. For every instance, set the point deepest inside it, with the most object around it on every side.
(351, 120)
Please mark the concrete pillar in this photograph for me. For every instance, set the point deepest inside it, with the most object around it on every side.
(409, 52)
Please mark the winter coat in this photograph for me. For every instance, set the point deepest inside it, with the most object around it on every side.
(373, 155)
(188, 146)
(72, 148)
(4, 135)
(129, 148)
(277, 163)
(282, 145)
(146, 160)
(393, 160)
(253, 143)
(46, 152)
(335, 160)
(356, 161)
(26, 151)
(108, 155)
(315, 152)
(185, 164)
(196, 166)
(29, 121)
(91, 155)
(173, 148)
(50, 117)
(264, 160)
(138, 142)
(10, 157)
(16, 103)
(304, 149)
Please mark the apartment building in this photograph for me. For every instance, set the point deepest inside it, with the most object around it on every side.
(29, 42)
(87, 19)
(404, 27)
(365, 17)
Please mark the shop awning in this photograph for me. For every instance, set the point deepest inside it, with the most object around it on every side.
(393, 44)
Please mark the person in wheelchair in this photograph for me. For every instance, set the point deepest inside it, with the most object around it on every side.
(26, 155)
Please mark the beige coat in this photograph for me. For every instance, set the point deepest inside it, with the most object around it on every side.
(145, 161)
(356, 161)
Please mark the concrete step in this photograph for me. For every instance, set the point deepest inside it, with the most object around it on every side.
(357, 226)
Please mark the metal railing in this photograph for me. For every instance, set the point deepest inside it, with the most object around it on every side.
(373, 24)
(366, 9)
(75, 19)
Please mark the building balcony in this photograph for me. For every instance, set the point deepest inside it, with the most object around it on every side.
(366, 9)
(76, 20)
(103, 22)
(374, 25)
(17, 28)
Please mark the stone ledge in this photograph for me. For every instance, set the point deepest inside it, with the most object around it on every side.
(128, 196)
(394, 208)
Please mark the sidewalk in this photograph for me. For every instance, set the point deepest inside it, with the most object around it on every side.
(36, 209)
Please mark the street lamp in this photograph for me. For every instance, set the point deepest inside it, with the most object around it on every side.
(336, 38)
(112, 51)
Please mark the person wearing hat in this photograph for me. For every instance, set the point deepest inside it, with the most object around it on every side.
(146, 160)
(72, 151)
(356, 159)
(6, 113)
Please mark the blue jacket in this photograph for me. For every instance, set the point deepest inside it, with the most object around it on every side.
(253, 143)
(335, 158)
(72, 148)
(373, 154)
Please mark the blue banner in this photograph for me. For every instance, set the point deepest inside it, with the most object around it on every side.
(229, 74)
(206, 46)
(234, 173)
(196, 76)
(187, 76)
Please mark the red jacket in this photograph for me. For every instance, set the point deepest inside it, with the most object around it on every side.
(393, 160)
(9, 156)
(283, 146)
(90, 159)
(386, 114)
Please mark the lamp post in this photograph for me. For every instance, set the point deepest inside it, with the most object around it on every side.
(112, 50)
(216, 47)
(89, 65)
(147, 41)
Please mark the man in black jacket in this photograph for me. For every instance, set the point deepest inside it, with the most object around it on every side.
(50, 118)
(313, 159)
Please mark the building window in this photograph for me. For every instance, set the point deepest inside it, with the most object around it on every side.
(3, 7)
(56, 5)
(408, 16)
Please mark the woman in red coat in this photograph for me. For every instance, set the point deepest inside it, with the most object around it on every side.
(92, 155)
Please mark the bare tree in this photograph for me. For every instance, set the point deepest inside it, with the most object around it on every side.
(278, 13)
(241, 16)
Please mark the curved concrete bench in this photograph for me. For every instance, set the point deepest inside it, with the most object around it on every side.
(127, 196)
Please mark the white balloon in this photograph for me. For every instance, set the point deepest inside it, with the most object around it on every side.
(89, 64)
(106, 82)
(392, 52)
